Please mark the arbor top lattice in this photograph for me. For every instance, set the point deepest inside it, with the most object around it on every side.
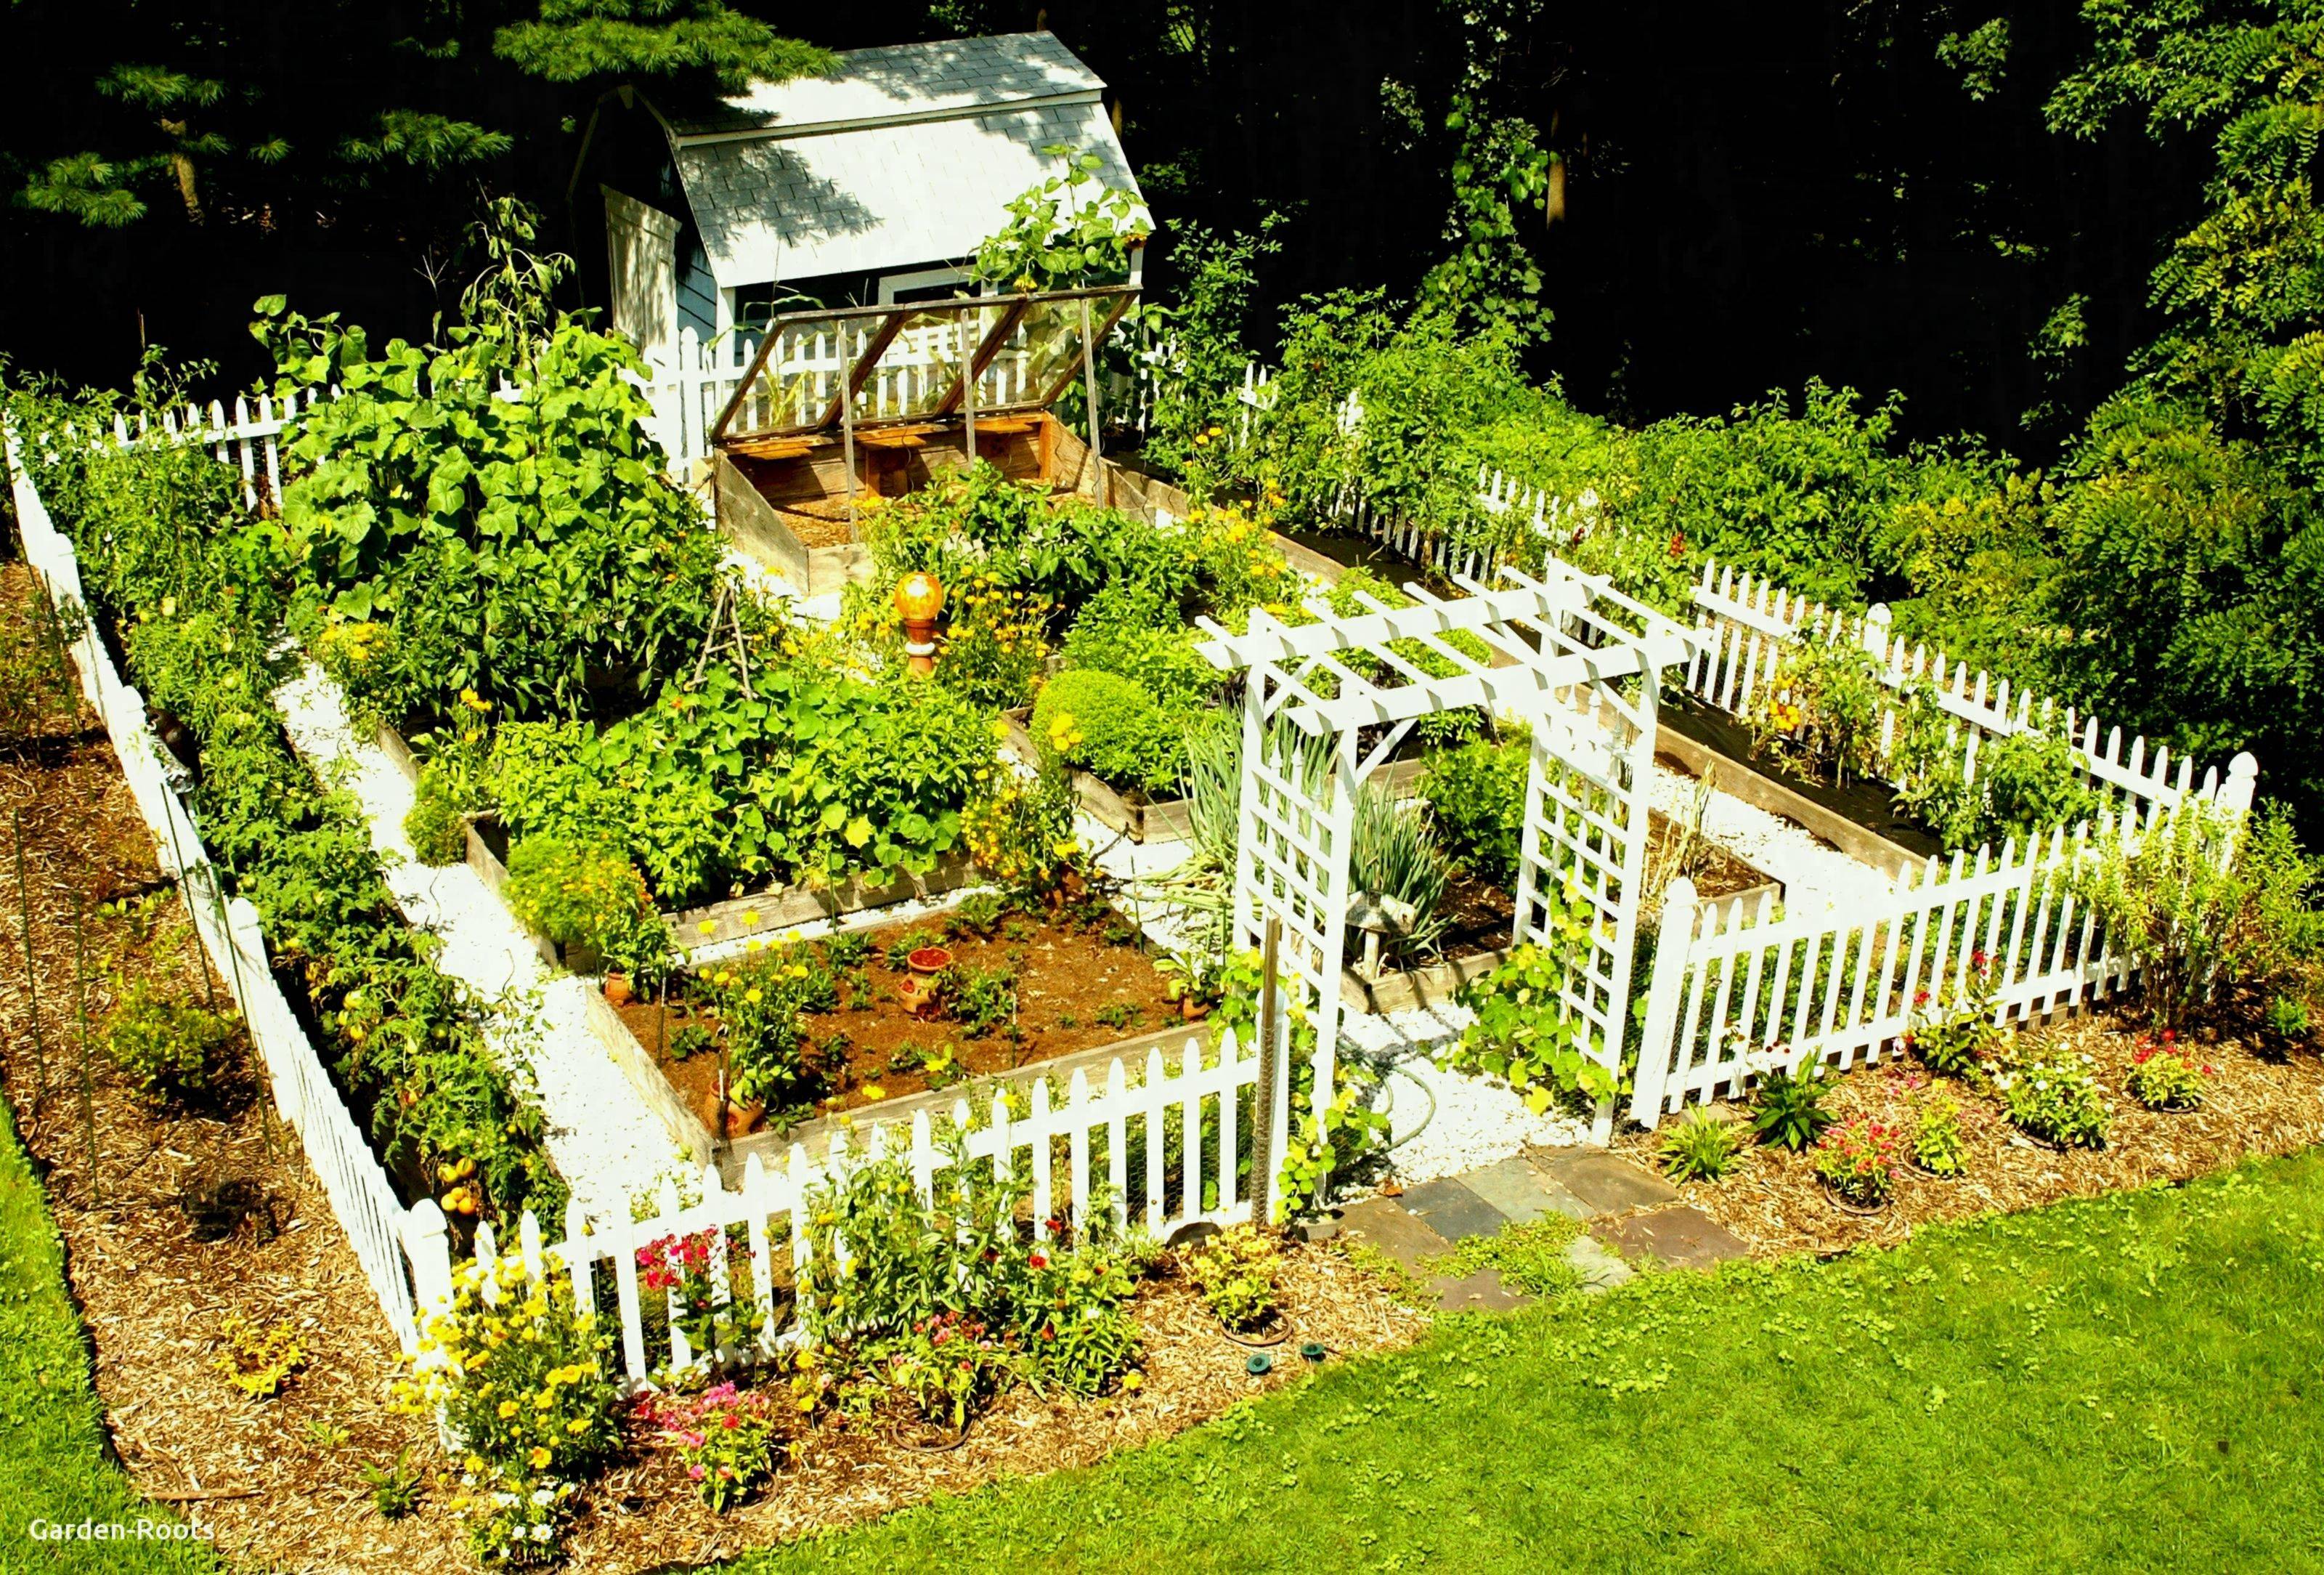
(1548, 635)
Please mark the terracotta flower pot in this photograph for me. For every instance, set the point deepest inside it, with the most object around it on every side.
(929, 960)
(617, 989)
(1192, 1010)
(919, 999)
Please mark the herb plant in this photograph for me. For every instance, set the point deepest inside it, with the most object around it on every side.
(1787, 1107)
(1698, 1147)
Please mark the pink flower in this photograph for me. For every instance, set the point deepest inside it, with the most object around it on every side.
(694, 1472)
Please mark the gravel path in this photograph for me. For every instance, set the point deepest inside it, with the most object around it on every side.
(1816, 875)
(606, 1145)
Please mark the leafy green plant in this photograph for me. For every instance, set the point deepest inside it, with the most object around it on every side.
(2165, 1076)
(586, 897)
(977, 916)
(1787, 1107)
(1117, 1014)
(1525, 1031)
(690, 1039)
(1820, 709)
(394, 1488)
(526, 547)
(1698, 1147)
(2056, 1098)
(1938, 1145)
(259, 1358)
(1858, 1160)
(1476, 796)
(1059, 236)
(436, 827)
(982, 999)
(1958, 1039)
(1235, 1270)
(169, 1048)
(846, 949)
(1392, 854)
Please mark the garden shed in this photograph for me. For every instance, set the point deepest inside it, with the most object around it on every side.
(872, 186)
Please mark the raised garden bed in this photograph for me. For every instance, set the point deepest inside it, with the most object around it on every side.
(1079, 986)
(1862, 819)
(1477, 943)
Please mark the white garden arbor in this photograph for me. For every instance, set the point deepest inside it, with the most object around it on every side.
(1578, 662)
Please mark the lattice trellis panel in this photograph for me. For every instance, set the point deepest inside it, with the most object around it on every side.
(1585, 832)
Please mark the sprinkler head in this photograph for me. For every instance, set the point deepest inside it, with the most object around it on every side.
(1258, 1364)
(1313, 1350)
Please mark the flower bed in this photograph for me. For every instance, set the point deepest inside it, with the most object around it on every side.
(1013, 990)
(2259, 1102)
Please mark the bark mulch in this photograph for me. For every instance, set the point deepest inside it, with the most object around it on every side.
(2261, 1101)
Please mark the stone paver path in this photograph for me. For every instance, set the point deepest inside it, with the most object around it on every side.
(1633, 1219)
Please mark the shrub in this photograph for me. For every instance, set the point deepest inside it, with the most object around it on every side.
(1787, 1107)
(1130, 629)
(169, 1048)
(2164, 1077)
(1858, 1160)
(1112, 726)
(2056, 1098)
(1235, 1271)
(993, 649)
(2206, 902)
(961, 1257)
(1476, 796)
(1938, 1145)
(1698, 1147)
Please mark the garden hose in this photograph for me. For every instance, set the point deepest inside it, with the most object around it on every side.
(1396, 1068)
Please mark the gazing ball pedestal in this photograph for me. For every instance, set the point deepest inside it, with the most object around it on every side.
(919, 599)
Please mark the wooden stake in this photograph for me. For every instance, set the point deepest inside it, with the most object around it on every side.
(31, 988)
(88, 1088)
(1262, 1115)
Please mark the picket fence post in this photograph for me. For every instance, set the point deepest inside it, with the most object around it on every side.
(1658, 1035)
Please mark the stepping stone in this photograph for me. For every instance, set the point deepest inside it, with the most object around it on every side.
(1681, 1238)
(1483, 1291)
(1388, 1225)
(1518, 1190)
(1601, 1270)
(1452, 1210)
(1606, 1185)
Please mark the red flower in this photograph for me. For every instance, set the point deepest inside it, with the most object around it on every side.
(1678, 544)
(1039, 1260)
(733, 1420)
(1919, 997)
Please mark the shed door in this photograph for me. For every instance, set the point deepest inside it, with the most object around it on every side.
(641, 257)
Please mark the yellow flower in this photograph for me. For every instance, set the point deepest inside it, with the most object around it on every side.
(874, 1091)
(577, 1425)
(707, 927)
(752, 997)
(508, 1409)
(750, 916)
(540, 1458)
(1132, 1382)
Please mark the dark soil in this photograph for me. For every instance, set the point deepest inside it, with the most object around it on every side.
(1067, 974)
(1872, 805)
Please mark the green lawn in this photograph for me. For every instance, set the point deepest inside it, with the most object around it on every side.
(2119, 1384)
(53, 1464)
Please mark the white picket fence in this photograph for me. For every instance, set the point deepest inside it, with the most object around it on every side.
(1057, 1150)
(1734, 991)
(362, 1197)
